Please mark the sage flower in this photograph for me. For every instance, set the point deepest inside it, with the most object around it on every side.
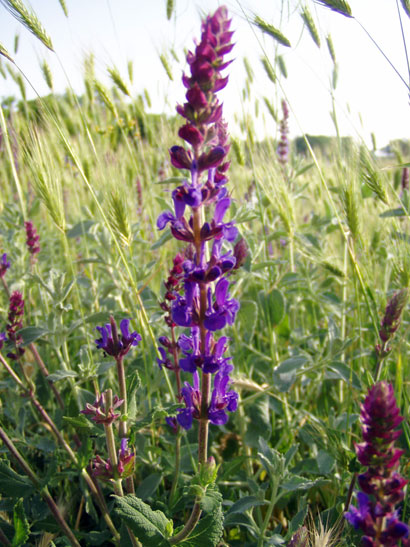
(114, 344)
(100, 414)
(4, 265)
(32, 238)
(381, 484)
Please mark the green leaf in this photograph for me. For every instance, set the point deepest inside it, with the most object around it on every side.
(12, 484)
(273, 305)
(246, 319)
(149, 526)
(399, 212)
(148, 486)
(80, 229)
(259, 415)
(61, 375)
(166, 236)
(245, 503)
(21, 525)
(211, 500)
(208, 532)
(295, 482)
(340, 371)
(292, 364)
(30, 334)
(80, 422)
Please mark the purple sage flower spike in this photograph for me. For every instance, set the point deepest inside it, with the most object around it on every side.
(381, 484)
(32, 238)
(283, 146)
(199, 300)
(15, 323)
(391, 321)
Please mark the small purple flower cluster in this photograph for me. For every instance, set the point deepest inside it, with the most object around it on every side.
(391, 321)
(100, 414)
(381, 485)
(15, 323)
(32, 238)
(4, 265)
(114, 344)
(204, 305)
(283, 146)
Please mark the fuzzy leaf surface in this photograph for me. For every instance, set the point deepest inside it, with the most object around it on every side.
(149, 526)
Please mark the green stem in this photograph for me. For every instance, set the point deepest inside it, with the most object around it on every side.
(268, 512)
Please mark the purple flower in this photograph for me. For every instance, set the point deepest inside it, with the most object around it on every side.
(223, 310)
(100, 414)
(391, 320)
(381, 484)
(222, 400)
(4, 265)
(112, 343)
(15, 323)
(192, 399)
(3, 339)
(198, 217)
(32, 238)
(283, 146)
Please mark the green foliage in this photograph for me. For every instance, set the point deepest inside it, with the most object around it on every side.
(151, 527)
(21, 525)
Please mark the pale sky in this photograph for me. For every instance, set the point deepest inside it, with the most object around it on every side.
(369, 96)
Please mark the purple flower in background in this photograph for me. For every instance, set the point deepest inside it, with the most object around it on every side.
(405, 178)
(32, 238)
(391, 321)
(283, 146)
(4, 265)
(15, 323)
(381, 485)
(3, 339)
(114, 344)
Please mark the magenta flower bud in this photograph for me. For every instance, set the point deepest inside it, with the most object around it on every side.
(180, 158)
(213, 158)
(191, 135)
